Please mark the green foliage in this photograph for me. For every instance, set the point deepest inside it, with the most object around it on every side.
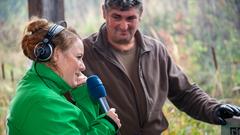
(13, 16)
(181, 124)
(86, 14)
(195, 29)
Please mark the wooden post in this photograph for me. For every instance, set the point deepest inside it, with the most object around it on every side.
(3, 72)
(214, 58)
(232, 127)
(237, 4)
(53, 10)
(12, 76)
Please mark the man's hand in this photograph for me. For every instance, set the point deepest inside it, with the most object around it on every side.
(227, 111)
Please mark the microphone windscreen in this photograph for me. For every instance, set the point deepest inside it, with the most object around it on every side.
(95, 87)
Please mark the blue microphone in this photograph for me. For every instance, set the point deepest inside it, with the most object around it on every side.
(97, 91)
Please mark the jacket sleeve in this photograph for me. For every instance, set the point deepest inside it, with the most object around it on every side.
(59, 117)
(84, 102)
(189, 97)
(90, 107)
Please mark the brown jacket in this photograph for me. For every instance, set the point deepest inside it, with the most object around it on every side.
(160, 79)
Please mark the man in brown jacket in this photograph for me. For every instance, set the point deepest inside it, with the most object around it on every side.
(139, 75)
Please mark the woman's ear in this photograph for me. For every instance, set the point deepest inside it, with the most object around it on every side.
(56, 61)
(56, 54)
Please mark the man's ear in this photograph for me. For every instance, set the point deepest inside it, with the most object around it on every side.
(104, 12)
(140, 14)
(140, 18)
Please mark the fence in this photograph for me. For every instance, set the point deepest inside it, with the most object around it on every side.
(232, 128)
(7, 81)
(3, 71)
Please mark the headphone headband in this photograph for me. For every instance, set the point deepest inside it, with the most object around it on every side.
(53, 31)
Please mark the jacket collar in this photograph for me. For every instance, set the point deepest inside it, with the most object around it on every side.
(102, 43)
(50, 78)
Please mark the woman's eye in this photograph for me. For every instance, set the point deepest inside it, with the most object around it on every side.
(79, 57)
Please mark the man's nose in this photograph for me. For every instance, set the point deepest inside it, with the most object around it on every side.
(123, 25)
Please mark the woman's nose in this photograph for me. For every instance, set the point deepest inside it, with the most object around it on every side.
(82, 66)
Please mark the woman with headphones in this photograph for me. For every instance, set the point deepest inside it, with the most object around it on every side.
(52, 97)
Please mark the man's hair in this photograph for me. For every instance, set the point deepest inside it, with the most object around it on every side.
(123, 4)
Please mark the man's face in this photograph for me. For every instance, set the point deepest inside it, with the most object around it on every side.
(121, 25)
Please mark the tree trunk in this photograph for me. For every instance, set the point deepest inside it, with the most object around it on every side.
(53, 10)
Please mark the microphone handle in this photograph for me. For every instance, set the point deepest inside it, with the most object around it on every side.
(104, 104)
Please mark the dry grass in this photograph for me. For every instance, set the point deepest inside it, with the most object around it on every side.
(5, 98)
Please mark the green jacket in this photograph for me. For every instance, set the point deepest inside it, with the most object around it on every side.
(40, 108)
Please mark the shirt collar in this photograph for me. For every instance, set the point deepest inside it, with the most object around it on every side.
(50, 78)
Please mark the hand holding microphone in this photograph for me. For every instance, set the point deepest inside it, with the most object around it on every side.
(98, 92)
(112, 114)
(81, 79)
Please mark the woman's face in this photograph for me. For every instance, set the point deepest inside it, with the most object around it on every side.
(70, 64)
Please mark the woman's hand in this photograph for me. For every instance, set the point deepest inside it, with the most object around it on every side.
(81, 79)
(112, 114)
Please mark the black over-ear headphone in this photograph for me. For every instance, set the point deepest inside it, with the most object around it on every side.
(43, 50)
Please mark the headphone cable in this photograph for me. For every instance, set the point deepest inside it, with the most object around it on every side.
(35, 67)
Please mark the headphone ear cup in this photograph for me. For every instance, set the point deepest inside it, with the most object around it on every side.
(43, 51)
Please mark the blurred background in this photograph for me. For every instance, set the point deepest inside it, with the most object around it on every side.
(202, 36)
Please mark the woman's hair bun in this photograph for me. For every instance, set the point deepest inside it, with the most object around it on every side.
(35, 30)
(36, 24)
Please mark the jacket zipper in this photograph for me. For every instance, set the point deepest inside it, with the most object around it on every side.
(142, 81)
(119, 67)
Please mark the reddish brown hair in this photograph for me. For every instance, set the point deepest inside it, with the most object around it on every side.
(35, 31)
